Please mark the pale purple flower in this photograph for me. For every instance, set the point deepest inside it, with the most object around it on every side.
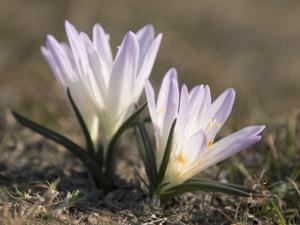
(198, 121)
(105, 89)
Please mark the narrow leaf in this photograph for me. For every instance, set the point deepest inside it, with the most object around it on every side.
(82, 155)
(165, 161)
(110, 157)
(147, 154)
(236, 186)
(202, 186)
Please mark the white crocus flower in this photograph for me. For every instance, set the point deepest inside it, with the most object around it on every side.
(198, 121)
(104, 89)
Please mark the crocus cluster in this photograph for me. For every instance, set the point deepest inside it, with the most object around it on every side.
(199, 119)
(103, 91)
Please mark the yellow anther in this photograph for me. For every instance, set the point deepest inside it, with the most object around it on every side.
(160, 111)
(181, 158)
(210, 143)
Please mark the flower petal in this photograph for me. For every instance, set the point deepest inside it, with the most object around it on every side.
(182, 117)
(196, 146)
(121, 84)
(227, 147)
(146, 64)
(232, 144)
(151, 101)
(220, 110)
(145, 37)
(60, 59)
(55, 69)
(77, 47)
(168, 100)
(167, 106)
(102, 46)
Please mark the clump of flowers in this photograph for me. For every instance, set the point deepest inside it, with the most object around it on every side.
(102, 90)
(103, 93)
(185, 125)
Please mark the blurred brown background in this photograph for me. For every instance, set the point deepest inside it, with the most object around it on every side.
(252, 46)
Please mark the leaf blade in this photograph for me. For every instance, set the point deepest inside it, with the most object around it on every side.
(148, 155)
(167, 153)
(202, 186)
(236, 186)
(82, 155)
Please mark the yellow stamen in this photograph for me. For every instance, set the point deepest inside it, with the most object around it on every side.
(181, 158)
(210, 143)
(160, 111)
(212, 122)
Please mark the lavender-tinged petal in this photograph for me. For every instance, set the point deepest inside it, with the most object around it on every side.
(55, 69)
(95, 78)
(145, 37)
(170, 110)
(97, 64)
(233, 143)
(196, 99)
(164, 89)
(221, 109)
(121, 84)
(151, 101)
(167, 112)
(225, 148)
(147, 64)
(182, 117)
(196, 145)
(201, 114)
(60, 58)
(102, 46)
(77, 47)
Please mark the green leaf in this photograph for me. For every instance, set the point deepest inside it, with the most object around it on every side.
(110, 157)
(236, 186)
(88, 140)
(206, 186)
(165, 161)
(82, 155)
(147, 154)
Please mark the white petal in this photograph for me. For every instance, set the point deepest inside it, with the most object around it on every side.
(167, 106)
(232, 144)
(197, 143)
(86, 108)
(145, 37)
(121, 84)
(227, 147)
(60, 59)
(221, 109)
(182, 117)
(151, 101)
(147, 64)
(55, 69)
(102, 46)
(77, 47)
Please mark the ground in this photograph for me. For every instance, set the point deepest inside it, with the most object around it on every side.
(41, 183)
